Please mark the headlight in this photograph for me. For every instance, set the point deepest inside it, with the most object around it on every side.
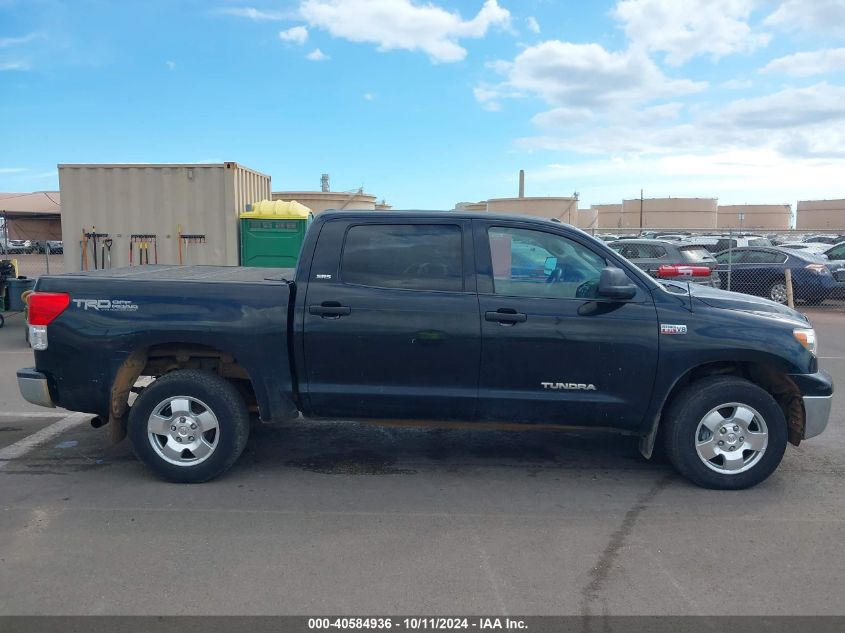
(807, 338)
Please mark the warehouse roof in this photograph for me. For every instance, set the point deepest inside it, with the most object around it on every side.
(37, 202)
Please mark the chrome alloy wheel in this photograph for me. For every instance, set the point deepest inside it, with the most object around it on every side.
(183, 431)
(731, 438)
(777, 293)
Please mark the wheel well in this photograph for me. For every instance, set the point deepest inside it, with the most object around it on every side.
(158, 360)
(781, 387)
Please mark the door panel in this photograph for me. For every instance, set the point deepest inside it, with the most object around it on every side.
(404, 352)
(573, 359)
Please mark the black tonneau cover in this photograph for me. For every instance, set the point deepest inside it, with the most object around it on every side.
(160, 272)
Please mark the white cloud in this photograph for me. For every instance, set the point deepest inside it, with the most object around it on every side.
(736, 84)
(583, 76)
(683, 29)
(295, 34)
(532, 24)
(369, 96)
(808, 63)
(812, 16)
(317, 56)
(403, 25)
(14, 66)
(6, 42)
(11, 170)
(794, 122)
(256, 15)
(170, 64)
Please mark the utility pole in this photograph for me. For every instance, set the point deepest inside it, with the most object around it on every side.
(641, 211)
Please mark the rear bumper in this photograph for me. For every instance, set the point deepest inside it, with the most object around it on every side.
(34, 387)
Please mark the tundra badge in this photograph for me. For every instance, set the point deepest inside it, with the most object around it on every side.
(667, 328)
(569, 386)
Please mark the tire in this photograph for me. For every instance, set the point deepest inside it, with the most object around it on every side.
(199, 455)
(777, 292)
(712, 403)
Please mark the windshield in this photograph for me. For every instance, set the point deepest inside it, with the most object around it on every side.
(759, 241)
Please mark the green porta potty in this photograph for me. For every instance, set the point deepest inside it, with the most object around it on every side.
(272, 232)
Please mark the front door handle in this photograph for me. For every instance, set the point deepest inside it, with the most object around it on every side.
(330, 310)
(506, 316)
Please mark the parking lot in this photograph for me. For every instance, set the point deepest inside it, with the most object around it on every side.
(325, 517)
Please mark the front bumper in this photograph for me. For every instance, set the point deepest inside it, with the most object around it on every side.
(817, 390)
(34, 387)
(816, 414)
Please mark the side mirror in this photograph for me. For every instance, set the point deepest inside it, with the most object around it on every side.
(550, 265)
(614, 284)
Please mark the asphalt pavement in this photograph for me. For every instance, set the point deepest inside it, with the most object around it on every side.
(329, 517)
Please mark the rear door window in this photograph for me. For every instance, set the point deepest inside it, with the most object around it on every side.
(405, 256)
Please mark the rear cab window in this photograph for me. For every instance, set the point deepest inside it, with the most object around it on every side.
(404, 256)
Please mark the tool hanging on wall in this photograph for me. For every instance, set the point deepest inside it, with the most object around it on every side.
(83, 250)
(106, 253)
(144, 241)
(93, 236)
(185, 238)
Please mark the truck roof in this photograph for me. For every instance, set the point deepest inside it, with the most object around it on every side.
(429, 214)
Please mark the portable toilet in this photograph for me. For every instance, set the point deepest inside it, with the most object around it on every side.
(272, 232)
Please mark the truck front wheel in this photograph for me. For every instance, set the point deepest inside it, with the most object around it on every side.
(724, 432)
(189, 426)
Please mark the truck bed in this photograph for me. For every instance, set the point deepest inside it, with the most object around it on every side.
(215, 274)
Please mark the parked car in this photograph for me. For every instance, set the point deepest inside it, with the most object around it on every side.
(816, 248)
(16, 246)
(719, 243)
(836, 253)
(760, 271)
(651, 254)
(422, 317)
(824, 239)
(48, 246)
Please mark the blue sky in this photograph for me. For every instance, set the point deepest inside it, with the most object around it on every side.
(428, 104)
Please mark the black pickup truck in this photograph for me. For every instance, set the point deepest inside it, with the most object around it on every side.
(435, 318)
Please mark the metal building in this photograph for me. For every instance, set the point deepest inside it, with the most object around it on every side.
(319, 201)
(31, 216)
(564, 209)
(773, 217)
(675, 213)
(814, 215)
(608, 216)
(126, 200)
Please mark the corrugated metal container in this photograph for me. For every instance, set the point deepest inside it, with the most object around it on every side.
(122, 200)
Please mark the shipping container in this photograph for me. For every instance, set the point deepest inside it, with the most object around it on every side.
(156, 200)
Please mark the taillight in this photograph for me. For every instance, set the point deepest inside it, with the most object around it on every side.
(44, 307)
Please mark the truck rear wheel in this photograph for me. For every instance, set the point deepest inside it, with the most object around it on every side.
(189, 426)
(724, 432)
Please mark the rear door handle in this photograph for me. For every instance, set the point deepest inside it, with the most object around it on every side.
(330, 310)
(506, 316)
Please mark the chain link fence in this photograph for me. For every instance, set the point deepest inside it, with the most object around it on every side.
(794, 267)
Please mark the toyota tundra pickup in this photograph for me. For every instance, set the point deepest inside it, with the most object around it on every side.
(433, 318)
